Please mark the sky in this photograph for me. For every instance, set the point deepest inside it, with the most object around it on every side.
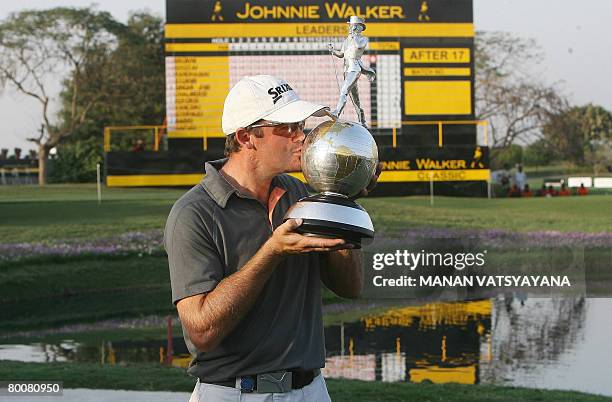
(573, 35)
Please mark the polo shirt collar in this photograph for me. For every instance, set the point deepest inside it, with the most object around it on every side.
(215, 184)
(219, 189)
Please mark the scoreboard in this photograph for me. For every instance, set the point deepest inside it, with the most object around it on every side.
(421, 50)
(420, 108)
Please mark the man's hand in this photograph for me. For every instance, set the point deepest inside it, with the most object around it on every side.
(285, 240)
(372, 183)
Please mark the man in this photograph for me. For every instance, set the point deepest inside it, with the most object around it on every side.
(352, 50)
(520, 178)
(245, 284)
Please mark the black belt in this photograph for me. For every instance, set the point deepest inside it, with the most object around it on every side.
(299, 379)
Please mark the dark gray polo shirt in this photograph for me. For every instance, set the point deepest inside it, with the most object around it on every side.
(212, 232)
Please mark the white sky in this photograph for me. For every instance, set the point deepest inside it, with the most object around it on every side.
(573, 34)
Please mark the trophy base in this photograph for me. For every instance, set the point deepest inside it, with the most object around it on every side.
(333, 216)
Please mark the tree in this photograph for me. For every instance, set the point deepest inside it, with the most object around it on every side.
(38, 48)
(582, 135)
(130, 88)
(509, 93)
(539, 153)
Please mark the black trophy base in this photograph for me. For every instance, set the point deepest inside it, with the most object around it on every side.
(332, 216)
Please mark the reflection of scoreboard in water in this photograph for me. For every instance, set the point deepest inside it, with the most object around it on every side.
(420, 108)
(436, 342)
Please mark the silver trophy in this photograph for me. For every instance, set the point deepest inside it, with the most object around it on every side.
(339, 159)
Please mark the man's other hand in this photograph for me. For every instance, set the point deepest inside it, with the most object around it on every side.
(372, 183)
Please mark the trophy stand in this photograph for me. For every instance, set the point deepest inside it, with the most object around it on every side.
(334, 216)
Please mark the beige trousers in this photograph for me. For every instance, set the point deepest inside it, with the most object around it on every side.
(316, 391)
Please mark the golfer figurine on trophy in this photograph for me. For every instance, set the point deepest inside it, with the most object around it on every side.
(352, 49)
(339, 159)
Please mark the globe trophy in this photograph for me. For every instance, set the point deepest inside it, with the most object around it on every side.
(339, 158)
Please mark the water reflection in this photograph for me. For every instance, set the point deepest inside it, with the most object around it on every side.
(529, 332)
(105, 352)
(510, 340)
(436, 342)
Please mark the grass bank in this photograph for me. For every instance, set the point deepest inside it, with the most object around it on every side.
(60, 291)
(156, 378)
(59, 212)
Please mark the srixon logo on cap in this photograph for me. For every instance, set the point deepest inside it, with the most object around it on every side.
(277, 92)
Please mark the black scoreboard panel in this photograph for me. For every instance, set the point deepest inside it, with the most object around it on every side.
(422, 52)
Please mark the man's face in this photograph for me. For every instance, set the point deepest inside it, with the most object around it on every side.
(280, 148)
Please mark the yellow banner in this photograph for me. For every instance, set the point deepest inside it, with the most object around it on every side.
(154, 180)
(424, 175)
(437, 55)
(436, 175)
(375, 29)
(435, 72)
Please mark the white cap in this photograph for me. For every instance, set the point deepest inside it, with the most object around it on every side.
(264, 97)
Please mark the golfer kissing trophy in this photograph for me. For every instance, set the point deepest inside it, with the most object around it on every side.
(339, 158)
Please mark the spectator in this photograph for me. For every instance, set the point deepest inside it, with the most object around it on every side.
(514, 191)
(551, 192)
(139, 146)
(4, 153)
(542, 192)
(564, 191)
(520, 178)
(526, 191)
(504, 178)
(582, 190)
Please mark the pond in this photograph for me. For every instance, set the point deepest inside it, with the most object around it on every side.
(543, 343)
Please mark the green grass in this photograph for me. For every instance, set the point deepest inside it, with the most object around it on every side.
(83, 192)
(30, 213)
(148, 377)
(579, 214)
